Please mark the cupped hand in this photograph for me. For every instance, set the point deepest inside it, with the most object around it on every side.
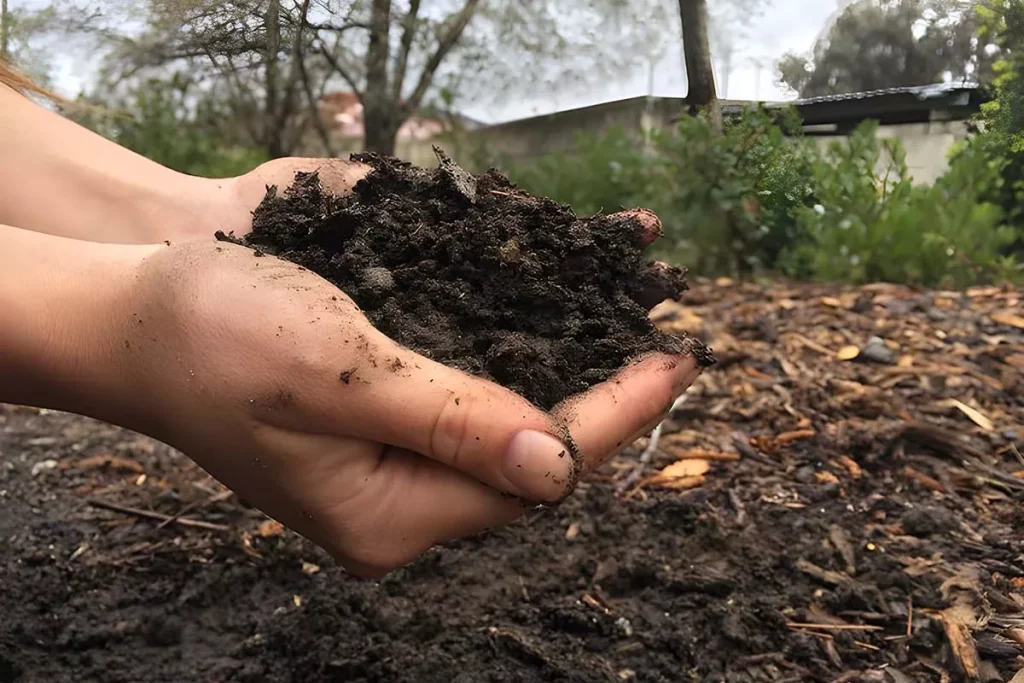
(273, 380)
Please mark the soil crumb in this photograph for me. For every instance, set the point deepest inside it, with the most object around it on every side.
(473, 272)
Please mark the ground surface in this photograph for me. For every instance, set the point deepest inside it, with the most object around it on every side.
(814, 519)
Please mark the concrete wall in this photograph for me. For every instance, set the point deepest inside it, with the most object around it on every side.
(927, 145)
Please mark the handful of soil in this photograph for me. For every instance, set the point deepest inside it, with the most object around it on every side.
(472, 272)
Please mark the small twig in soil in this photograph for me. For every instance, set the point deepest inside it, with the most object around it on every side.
(737, 504)
(146, 514)
(652, 447)
(833, 627)
(741, 442)
(216, 498)
(910, 616)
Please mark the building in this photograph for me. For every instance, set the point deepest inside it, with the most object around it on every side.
(928, 119)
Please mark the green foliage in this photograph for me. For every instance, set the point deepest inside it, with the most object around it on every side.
(876, 44)
(760, 197)
(728, 201)
(872, 223)
(166, 121)
(603, 173)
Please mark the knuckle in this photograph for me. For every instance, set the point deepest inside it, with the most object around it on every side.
(449, 437)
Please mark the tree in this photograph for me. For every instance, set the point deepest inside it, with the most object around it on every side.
(700, 74)
(878, 44)
(277, 57)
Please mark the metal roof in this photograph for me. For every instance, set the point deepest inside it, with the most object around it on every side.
(923, 92)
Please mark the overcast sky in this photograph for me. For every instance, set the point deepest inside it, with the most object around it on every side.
(789, 25)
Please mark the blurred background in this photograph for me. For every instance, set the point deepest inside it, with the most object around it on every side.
(851, 141)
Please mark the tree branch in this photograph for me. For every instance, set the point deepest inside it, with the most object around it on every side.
(311, 100)
(408, 35)
(458, 24)
(343, 71)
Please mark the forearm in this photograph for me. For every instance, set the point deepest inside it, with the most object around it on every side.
(60, 178)
(62, 304)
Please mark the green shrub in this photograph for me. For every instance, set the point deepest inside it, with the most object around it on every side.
(729, 201)
(871, 223)
(604, 172)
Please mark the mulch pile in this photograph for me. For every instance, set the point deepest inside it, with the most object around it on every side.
(840, 498)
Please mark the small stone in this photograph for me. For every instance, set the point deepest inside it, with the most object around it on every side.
(43, 466)
(877, 352)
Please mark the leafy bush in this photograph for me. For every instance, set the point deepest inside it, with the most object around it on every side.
(603, 173)
(729, 201)
(872, 223)
(166, 121)
(761, 197)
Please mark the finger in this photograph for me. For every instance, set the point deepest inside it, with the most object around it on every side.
(615, 413)
(646, 222)
(336, 175)
(464, 422)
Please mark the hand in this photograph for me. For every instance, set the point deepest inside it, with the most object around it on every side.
(272, 380)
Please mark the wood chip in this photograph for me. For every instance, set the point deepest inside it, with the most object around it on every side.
(573, 531)
(270, 528)
(851, 466)
(789, 437)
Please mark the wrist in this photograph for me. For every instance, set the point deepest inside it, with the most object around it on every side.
(65, 307)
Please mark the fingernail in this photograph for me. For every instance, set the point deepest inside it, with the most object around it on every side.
(685, 374)
(539, 465)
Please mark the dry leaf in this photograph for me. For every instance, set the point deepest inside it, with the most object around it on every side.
(1017, 581)
(1010, 319)
(976, 416)
(680, 475)
(1019, 475)
(573, 531)
(847, 353)
(831, 301)
(270, 528)
(685, 468)
(1015, 360)
(310, 568)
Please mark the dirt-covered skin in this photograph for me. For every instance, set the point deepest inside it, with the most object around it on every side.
(479, 275)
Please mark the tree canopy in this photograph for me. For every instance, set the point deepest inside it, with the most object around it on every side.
(878, 44)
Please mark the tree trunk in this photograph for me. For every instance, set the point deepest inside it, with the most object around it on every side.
(382, 136)
(5, 31)
(272, 127)
(700, 74)
(380, 118)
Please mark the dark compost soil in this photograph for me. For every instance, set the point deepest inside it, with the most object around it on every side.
(861, 521)
(479, 275)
